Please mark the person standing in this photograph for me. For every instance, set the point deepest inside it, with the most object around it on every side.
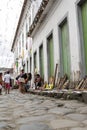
(21, 80)
(7, 80)
(19, 76)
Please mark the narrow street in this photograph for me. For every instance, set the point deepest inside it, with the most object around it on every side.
(43, 51)
(32, 112)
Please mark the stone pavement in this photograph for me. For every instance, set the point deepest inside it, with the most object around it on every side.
(32, 112)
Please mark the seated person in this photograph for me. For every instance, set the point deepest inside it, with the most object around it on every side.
(28, 81)
(38, 81)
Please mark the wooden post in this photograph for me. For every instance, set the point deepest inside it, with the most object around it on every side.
(56, 69)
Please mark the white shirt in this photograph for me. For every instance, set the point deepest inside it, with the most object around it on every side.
(7, 78)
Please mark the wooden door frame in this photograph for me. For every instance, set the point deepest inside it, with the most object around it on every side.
(40, 61)
(81, 46)
(51, 33)
(65, 19)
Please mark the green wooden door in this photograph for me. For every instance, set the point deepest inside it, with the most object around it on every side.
(35, 61)
(30, 64)
(84, 27)
(41, 61)
(50, 56)
(65, 49)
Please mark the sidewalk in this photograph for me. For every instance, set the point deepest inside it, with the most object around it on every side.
(64, 93)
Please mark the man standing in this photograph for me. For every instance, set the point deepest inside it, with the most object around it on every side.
(7, 80)
(21, 81)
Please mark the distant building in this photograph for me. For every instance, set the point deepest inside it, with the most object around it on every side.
(59, 36)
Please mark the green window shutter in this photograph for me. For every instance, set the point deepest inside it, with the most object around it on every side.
(65, 49)
(41, 61)
(50, 56)
(84, 28)
(30, 64)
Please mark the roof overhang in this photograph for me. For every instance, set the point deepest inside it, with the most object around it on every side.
(41, 14)
(19, 22)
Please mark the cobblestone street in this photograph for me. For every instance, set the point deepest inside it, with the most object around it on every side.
(33, 112)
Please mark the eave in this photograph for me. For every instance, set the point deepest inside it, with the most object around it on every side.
(41, 14)
(19, 22)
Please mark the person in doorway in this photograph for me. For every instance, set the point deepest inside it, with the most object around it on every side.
(7, 80)
(1, 82)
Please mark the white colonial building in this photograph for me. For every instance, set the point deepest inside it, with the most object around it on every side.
(59, 36)
(22, 44)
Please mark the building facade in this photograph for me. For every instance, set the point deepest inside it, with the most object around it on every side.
(59, 36)
(22, 45)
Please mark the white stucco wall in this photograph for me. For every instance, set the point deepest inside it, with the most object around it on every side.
(56, 15)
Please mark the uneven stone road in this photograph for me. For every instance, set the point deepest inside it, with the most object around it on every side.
(33, 112)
